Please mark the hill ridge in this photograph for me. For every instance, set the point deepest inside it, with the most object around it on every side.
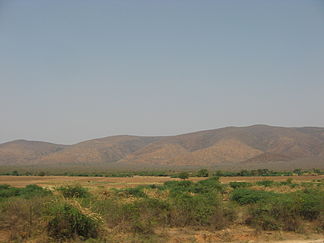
(258, 143)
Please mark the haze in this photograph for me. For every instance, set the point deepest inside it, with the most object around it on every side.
(75, 70)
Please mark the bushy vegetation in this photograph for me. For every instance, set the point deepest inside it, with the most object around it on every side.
(249, 196)
(29, 191)
(67, 221)
(236, 184)
(73, 213)
(73, 191)
(280, 211)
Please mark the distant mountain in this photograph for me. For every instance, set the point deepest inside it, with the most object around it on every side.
(259, 145)
(26, 152)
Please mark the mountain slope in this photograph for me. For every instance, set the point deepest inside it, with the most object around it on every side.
(22, 151)
(258, 144)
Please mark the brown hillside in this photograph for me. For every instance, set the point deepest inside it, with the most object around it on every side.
(109, 149)
(22, 151)
(256, 144)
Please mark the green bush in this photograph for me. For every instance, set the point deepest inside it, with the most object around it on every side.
(236, 184)
(311, 204)
(34, 191)
(248, 196)
(203, 173)
(198, 210)
(140, 216)
(204, 186)
(29, 191)
(183, 175)
(136, 192)
(67, 221)
(8, 191)
(265, 183)
(74, 191)
(276, 213)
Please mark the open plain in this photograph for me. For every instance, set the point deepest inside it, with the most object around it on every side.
(125, 182)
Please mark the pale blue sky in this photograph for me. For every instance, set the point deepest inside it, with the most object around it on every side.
(80, 69)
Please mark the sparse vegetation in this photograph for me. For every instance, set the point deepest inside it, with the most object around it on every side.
(73, 213)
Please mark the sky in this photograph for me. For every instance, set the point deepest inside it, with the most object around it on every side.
(79, 69)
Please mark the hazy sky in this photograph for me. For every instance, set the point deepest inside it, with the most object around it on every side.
(80, 69)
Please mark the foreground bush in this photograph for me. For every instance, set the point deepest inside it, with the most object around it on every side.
(286, 211)
(23, 217)
(277, 213)
(67, 221)
(189, 210)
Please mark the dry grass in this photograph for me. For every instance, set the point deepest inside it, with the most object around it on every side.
(125, 182)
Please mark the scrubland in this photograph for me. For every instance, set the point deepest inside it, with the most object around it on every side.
(200, 210)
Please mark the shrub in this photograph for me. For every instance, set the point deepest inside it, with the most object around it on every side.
(22, 217)
(188, 210)
(8, 191)
(203, 173)
(236, 184)
(265, 183)
(311, 204)
(140, 216)
(248, 196)
(29, 191)
(136, 192)
(276, 213)
(74, 191)
(206, 186)
(183, 175)
(67, 221)
(176, 187)
(34, 191)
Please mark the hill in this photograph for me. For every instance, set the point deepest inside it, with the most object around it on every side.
(256, 146)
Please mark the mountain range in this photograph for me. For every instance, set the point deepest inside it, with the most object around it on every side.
(258, 145)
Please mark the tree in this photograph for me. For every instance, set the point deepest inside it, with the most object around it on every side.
(41, 173)
(183, 175)
(15, 173)
(203, 173)
(298, 171)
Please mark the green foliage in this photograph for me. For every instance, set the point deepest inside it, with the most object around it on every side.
(189, 210)
(29, 191)
(248, 196)
(41, 173)
(203, 173)
(204, 186)
(136, 192)
(285, 211)
(236, 184)
(74, 191)
(68, 221)
(265, 183)
(280, 212)
(311, 203)
(183, 175)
